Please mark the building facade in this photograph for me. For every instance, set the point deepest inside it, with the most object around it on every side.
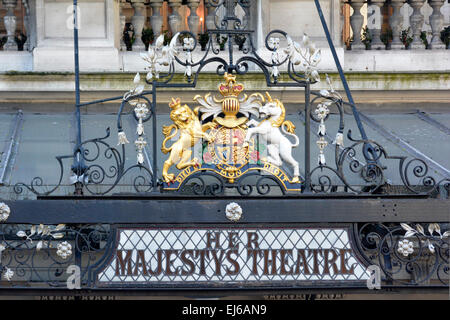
(252, 148)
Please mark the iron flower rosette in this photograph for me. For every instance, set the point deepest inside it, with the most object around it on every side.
(64, 250)
(233, 211)
(405, 247)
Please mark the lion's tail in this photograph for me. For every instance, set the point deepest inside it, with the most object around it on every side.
(289, 128)
(166, 131)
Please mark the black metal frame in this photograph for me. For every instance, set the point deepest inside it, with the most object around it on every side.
(94, 241)
(378, 243)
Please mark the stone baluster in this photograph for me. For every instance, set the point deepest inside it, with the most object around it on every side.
(356, 22)
(156, 20)
(138, 22)
(193, 19)
(416, 22)
(375, 26)
(342, 18)
(395, 22)
(209, 20)
(123, 46)
(175, 18)
(436, 22)
(10, 21)
(27, 24)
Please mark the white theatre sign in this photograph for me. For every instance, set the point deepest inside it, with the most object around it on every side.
(232, 255)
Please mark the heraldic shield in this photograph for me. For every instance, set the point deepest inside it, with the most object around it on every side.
(229, 144)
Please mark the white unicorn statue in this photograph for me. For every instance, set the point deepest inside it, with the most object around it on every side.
(278, 145)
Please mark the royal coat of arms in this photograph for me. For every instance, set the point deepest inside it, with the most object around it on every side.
(231, 144)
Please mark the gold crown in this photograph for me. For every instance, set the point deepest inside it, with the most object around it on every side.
(230, 88)
(175, 104)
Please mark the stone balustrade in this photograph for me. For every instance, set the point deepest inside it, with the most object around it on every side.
(10, 24)
(396, 36)
(172, 21)
(381, 26)
(113, 32)
(375, 24)
(16, 22)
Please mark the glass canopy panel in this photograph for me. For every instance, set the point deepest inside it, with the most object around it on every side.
(6, 123)
(6, 126)
(106, 163)
(443, 118)
(419, 134)
(42, 138)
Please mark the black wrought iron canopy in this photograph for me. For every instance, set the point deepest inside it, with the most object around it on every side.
(402, 229)
(360, 166)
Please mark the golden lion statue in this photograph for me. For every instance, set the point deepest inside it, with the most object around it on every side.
(191, 131)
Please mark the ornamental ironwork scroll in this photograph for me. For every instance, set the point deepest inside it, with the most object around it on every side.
(41, 254)
(408, 254)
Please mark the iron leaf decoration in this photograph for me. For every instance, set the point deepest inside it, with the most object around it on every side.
(307, 56)
(45, 234)
(188, 45)
(8, 273)
(322, 112)
(331, 93)
(275, 44)
(141, 111)
(159, 56)
(419, 232)
(332, 96)
(42, 231)
(136, 91)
